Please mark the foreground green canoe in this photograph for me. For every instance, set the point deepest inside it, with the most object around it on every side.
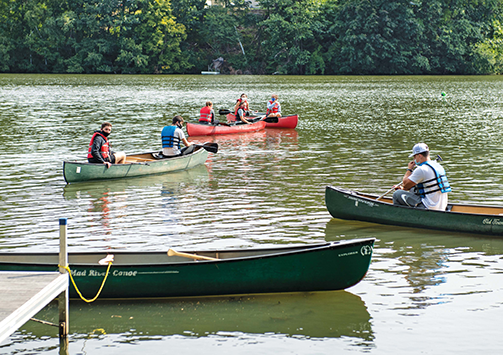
(317, 267)
(136, 165)
(353, 205)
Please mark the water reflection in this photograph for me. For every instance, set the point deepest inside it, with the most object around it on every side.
(268, 139)
(109, 203)
(313, 315)
(96, 188)
(425, 260)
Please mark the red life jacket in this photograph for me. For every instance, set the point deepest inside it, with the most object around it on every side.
(244, 108)
(274, 108)
(205, 114)
(105, 148)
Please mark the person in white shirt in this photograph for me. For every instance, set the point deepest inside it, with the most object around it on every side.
(171, 137)
(428, 180)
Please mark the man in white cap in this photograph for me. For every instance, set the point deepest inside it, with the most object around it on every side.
(429, 180)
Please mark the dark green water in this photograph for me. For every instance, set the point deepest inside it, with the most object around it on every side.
(426, 292)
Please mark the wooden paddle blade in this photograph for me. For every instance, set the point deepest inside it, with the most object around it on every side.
(172, 252)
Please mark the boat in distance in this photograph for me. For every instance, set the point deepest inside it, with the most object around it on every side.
(198, 129)
(306, 268)
(289, 121)
(136, 165)
(352, 205)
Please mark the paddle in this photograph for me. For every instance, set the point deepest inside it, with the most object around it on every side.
(224, 111)
(271, 119)
(218, 122)
(265, 118)
(210, 147)
(439, 158)
(172, 252)
(387, 192)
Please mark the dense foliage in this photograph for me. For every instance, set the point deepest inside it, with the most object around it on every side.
(283, 36)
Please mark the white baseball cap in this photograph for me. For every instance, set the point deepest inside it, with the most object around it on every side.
(419, 148)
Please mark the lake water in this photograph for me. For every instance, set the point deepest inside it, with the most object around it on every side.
(426, 292)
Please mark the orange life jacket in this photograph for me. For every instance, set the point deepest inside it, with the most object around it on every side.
(274, 108)
(246, 108)
(205, 114)
(105, 148)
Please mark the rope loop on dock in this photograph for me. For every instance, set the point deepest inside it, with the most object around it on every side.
(67, 268)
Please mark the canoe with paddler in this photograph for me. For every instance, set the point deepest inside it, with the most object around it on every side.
(457, 217)
(419, 200)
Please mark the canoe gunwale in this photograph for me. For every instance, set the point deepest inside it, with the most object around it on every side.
(154, 160)
(261, 253)
(287, 122)
(195, 129)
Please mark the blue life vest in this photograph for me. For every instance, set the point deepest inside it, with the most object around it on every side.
(168, 137)
(438, 183)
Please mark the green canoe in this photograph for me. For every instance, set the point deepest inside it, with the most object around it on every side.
(478, 219)
(315, 267)
(136, 165)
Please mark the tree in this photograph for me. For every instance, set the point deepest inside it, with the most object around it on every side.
(405, 37)
(292, 31)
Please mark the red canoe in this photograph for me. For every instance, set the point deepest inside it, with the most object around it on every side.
(196, 129)
(283, 121)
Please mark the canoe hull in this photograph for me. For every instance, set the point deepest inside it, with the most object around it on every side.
(283, 121)
(321, 267)
(196, 129)
(351, 205)
(79, 171)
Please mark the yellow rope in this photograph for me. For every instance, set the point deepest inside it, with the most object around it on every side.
(99, 329)
(77, 289)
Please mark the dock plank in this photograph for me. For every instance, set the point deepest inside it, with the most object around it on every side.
(24, 294)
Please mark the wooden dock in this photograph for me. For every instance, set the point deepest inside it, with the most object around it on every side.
(24, 294)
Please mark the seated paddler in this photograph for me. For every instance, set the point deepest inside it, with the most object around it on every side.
(100, 152)
(172, 136)
(246, 107)
(273, 107)
(241, 114)
(207, 114)
(424, 184)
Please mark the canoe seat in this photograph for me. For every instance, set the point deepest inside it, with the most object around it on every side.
(135, 160)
